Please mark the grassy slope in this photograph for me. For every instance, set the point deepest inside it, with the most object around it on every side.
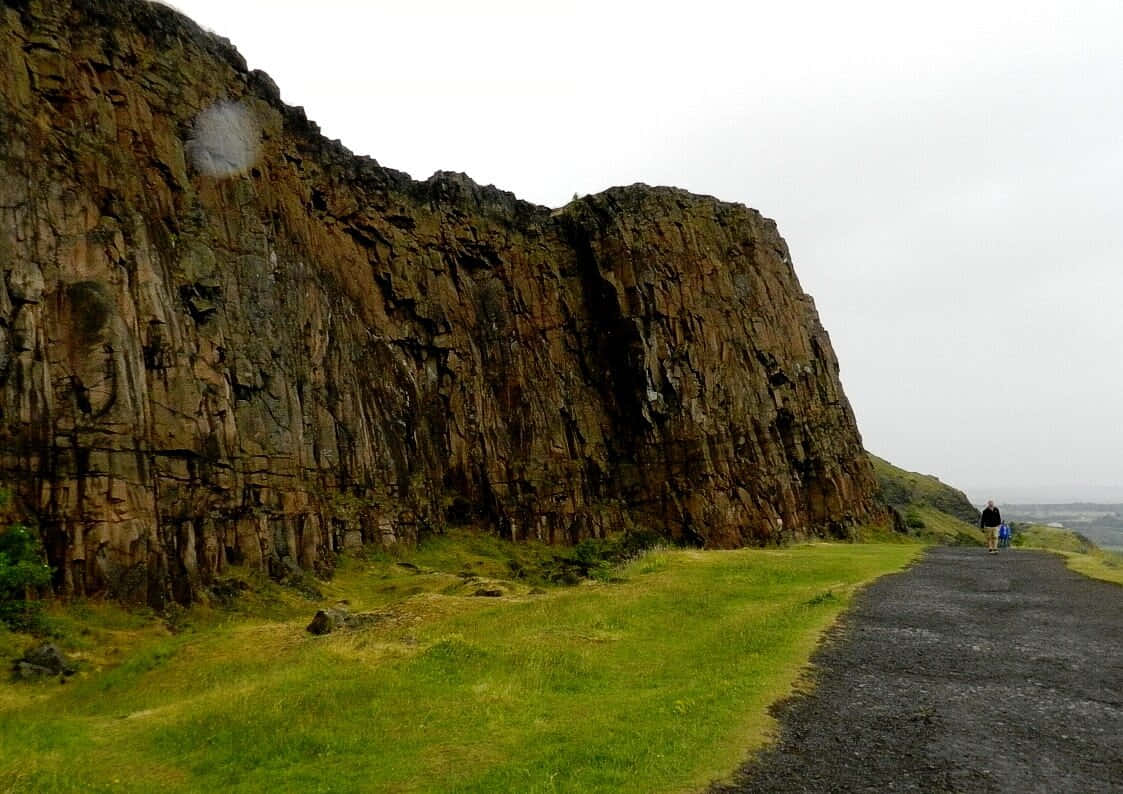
(946, 513)
(660, 682)
(1082, 555)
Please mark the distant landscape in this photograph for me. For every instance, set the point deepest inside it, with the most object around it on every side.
(1100, 523)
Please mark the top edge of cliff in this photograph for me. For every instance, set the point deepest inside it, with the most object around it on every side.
(162, 22)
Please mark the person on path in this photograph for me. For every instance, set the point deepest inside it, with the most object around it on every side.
(988, 522)
(1003, 535)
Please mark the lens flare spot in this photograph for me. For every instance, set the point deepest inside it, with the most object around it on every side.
(225, 140)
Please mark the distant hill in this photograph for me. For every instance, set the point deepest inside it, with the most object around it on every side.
(902, 489)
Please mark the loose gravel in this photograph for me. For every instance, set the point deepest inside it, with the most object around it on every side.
(968, 672)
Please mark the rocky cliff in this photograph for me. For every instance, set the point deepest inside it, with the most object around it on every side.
(227, 340)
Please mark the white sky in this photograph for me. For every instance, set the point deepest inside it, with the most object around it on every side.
(947, 175)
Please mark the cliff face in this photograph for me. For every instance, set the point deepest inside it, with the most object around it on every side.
(224, 339)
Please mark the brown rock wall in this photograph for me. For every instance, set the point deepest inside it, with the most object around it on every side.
(265, 349)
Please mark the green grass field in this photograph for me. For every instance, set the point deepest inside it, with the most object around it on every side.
(657, 681)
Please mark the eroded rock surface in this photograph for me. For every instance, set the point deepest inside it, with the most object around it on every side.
(225, 339)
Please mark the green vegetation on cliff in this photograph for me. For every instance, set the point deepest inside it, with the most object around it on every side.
(657, 678)
(23, 571)
(930, 509)
(902, 489)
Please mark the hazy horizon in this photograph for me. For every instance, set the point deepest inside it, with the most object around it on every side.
(1047, 495)
(946, 178)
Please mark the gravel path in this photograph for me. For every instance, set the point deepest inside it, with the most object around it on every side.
(967, 673)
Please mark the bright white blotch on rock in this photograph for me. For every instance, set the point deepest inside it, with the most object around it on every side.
(225, 140)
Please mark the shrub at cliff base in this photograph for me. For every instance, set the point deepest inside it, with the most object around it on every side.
(22, 571)
(658, 678)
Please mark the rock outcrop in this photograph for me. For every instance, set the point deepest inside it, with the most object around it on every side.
(44, 660)
(325, 621)
(227, 340)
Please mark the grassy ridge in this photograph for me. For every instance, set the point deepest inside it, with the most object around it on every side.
(933, 511)
(903, 489)
(1081, 554)
(658, 682)
(942, 529)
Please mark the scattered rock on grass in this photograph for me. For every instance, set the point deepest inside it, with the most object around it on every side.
(326, 621)
(44, 660)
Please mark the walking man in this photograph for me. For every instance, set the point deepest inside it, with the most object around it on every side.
(988, 522)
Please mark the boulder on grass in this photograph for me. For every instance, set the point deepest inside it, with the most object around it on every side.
(46, 659)
(328, 620)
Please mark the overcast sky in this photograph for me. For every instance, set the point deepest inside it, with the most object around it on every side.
(947, 175)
